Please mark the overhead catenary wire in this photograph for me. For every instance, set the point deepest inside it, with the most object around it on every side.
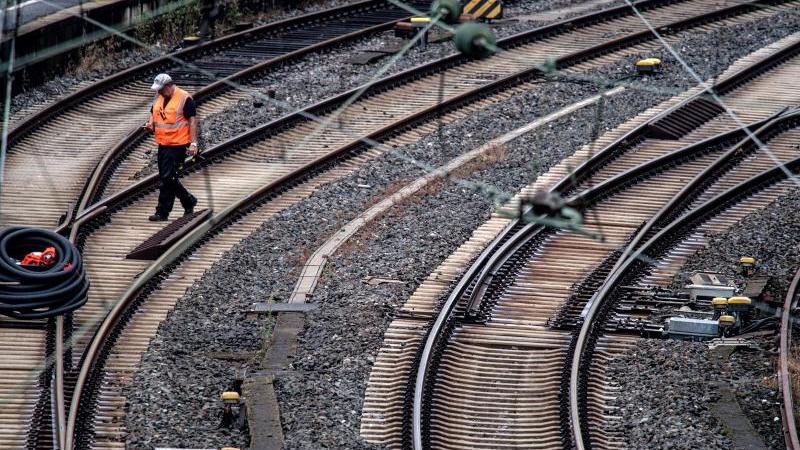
(288, 107)
(490, 191)
(370, 142)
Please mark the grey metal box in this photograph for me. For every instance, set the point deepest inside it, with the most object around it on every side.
(685, 327)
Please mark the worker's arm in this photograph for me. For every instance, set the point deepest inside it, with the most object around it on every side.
(149, 125)
(193, 135)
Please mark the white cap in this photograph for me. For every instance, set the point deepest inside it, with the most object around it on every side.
(161, 80)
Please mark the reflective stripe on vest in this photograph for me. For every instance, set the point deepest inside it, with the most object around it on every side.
(171, 128)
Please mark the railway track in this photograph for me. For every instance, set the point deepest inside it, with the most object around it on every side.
(117, 168)
(241, 165)
(501, 381)
(236, 194)
(75, 133)
(784, 371)
(754, 185)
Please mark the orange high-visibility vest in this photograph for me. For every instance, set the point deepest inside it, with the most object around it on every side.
(171, 128)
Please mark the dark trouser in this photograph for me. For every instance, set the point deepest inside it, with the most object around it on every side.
(170, 160)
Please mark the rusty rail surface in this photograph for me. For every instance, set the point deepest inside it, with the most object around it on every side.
(94, 188)
(593, 314)
(784, 374)
(479, 275)
(219, 221)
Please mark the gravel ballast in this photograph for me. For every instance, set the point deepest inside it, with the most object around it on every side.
(668, 394)
(772, 236)
(321, 397)
(664, 396)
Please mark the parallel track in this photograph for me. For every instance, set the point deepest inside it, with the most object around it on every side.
(785, 381)
(100, 238)
(106, 427)
(753, 188)
(57, 148)
(522, 281)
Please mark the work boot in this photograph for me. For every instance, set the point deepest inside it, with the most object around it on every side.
(158, 217)
(188, 209)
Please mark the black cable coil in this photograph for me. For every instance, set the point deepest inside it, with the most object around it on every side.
(37, 292)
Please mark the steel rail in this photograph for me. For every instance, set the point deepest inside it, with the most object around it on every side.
(119, 198)
(180, 249)
(390, 82)
(712, 206)
(493, 258)
(513, 236)
(588, 196)
(59, 402)
(104, 169)
(195, 51)
(98, 209)
(374, 87)
(94, 187)
(90, 357)
(676, 204)
(784, 376)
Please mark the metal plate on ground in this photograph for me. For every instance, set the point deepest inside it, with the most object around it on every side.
(685, 119)
(157, 244)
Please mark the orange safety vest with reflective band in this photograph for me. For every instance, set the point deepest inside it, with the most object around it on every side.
(171, 128)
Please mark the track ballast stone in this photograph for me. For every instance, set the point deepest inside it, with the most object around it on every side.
(321, 398)
(772, 236)
(665, 396)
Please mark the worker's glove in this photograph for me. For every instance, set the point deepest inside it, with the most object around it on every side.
(193, 149)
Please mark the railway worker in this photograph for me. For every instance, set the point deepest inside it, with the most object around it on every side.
(173, 119)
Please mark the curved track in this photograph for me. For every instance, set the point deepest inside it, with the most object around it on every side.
(525, 277)
(57, 148)
(227, 192)
(274, 169)
(784, 373)
(747, 191)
